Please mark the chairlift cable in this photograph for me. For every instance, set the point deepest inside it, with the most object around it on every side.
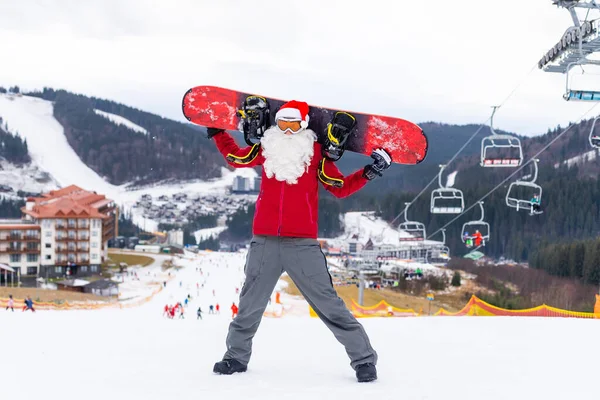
(484, 124)
(519, 169)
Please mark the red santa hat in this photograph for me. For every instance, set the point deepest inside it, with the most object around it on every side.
(294, 111)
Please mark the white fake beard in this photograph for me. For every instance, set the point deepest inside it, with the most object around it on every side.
(287, 157)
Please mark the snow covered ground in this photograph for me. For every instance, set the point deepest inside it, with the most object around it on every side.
(580, 159)
(28, 178)
(451, 179)
(118, 120)
(137, 354)
(365, 225)
(204, 234)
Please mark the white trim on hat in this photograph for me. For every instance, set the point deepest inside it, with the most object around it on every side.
(289, 113)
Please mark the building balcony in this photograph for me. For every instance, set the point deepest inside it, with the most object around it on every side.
(31, 237)
(60, 227)
(62, 239)
(22, 250)
(83, 238)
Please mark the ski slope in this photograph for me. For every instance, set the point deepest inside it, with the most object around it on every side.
(118, 120)
(137, 354)
(33, 119)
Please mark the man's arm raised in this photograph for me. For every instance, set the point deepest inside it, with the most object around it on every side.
(237, 157)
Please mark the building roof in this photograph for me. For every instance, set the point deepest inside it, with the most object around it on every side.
(69, 202)
(73, 282)
(101, 284)
(18, 224)
(4, 267)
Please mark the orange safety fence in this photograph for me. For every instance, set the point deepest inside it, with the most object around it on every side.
(479, 308)
(40, 305)
(381, 309)
(475, 307)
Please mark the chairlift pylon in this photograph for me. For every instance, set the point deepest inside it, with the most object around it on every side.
(414, 228)
(496, 141)
(446, 200)
(470, 229)
(531, 186)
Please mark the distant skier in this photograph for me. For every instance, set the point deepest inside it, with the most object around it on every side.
(285, 231)
(199, 313)
(166, 310)
(211, 309)
(11, 303)
(468, 240)
(28, 304)
(478, 238)
(181, 312)
(217, 308)
(535, 204)
(234, 310)
(186, 301)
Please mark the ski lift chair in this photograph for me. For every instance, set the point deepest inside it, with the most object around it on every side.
(524, 204)
(594, 139)
(415, 229)
(469, 228)
(444, 250)
(496, 141)
(577, 94)
(446, 200)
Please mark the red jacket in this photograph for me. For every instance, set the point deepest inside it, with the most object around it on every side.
(289, 210)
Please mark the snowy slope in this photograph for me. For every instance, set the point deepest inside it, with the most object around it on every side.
(118, 120)
(580, 159)
(28, 178)
(203, 234)
(451, 179)
(294, 357)
(367, 226)
(33, 119)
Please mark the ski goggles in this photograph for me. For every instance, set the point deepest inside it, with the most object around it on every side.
(293, 126)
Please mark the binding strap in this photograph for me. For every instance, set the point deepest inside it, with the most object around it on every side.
(338, 183)
(246, 159)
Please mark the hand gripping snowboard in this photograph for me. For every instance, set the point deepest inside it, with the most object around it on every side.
(337, 130)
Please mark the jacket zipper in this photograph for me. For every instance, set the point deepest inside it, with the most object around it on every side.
(280, 208)
(310, 214)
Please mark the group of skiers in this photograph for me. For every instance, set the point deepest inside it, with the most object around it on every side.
(169, 311)
(476, 238)
(28, 304)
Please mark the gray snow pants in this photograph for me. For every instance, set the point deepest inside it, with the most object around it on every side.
(302, 259)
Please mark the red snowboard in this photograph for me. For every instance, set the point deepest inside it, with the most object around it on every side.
(216, 107)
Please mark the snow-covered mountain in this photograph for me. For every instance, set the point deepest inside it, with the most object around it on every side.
(55, 164)
(32, 118)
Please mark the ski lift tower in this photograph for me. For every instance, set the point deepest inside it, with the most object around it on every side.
(576, 44)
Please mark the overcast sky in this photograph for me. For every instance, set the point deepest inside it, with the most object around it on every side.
(423, 60)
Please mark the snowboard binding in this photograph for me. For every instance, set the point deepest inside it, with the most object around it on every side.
(338, 131)
(255, 118)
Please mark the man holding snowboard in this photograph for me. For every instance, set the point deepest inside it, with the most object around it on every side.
(285, 232)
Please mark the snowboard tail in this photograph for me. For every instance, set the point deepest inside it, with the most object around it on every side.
(405, 141)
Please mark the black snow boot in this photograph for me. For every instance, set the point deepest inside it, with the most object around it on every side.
(229, 366)
(366, 372)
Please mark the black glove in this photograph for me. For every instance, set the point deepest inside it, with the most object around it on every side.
(381, 163)
(210, 132)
